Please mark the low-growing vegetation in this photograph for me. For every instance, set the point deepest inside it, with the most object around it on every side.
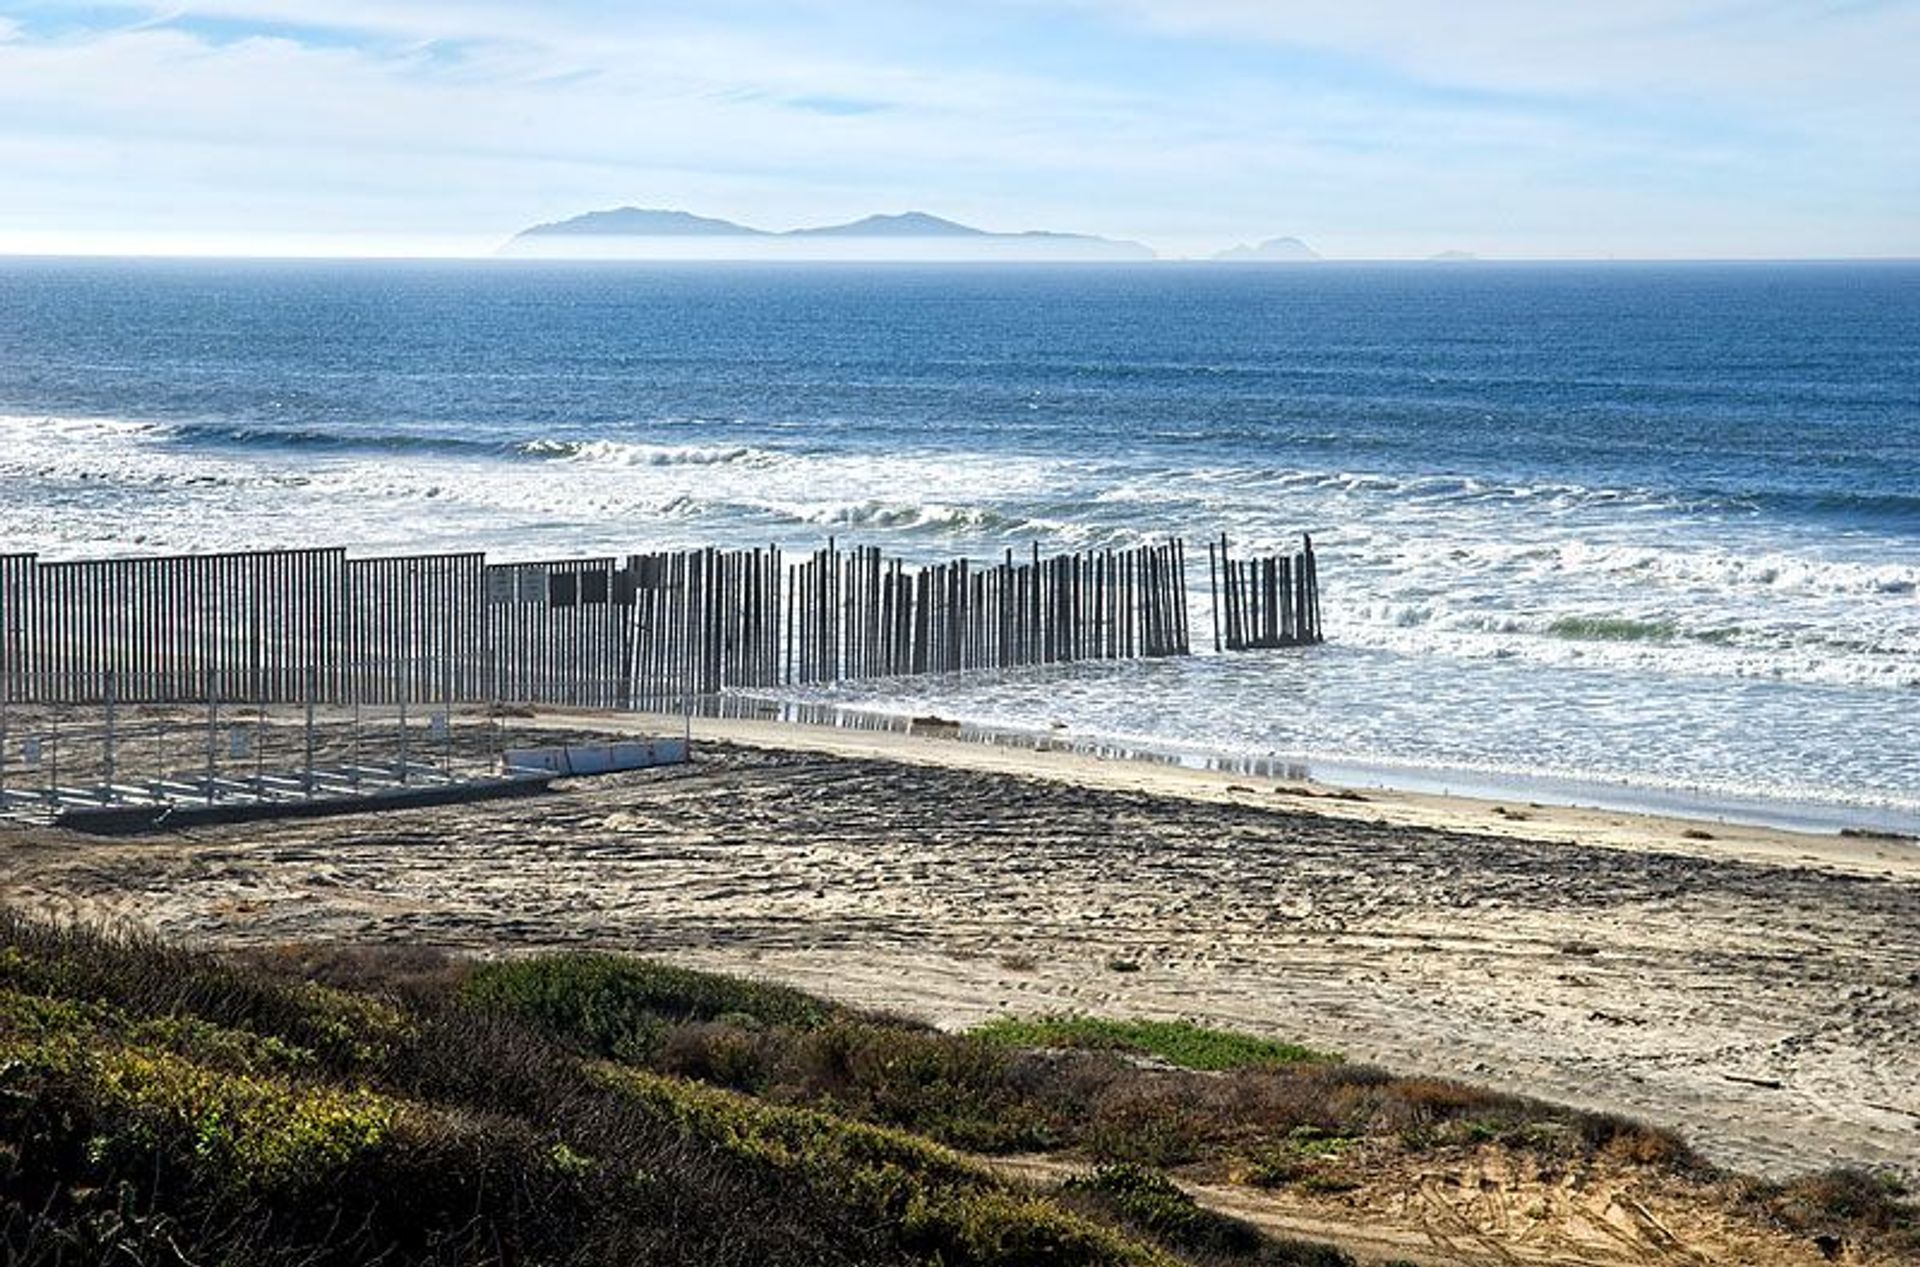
(1842, 1208)
(1176, 1042)
(1148, 1201)
(319, 1106)
(610, 1003)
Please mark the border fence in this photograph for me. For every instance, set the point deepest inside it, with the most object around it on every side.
(137, 693)
(1265, 602)
(643, 631)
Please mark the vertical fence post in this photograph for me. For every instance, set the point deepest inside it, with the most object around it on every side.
(1212, 588)
(259, 744)
(307, 778)
(213, 731)
(107, 753)
(160, 752)
(446, 713)
(496, 730)
(407, 668)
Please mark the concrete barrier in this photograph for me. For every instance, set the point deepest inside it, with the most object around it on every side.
(572, 760)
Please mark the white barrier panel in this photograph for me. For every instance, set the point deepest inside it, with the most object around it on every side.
(609, 758)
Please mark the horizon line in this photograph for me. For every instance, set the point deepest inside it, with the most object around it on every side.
(1307, 264)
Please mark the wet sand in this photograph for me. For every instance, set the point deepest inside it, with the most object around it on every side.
(1756, 989)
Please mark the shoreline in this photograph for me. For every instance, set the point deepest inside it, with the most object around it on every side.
(1382, 778)
(1642, 830)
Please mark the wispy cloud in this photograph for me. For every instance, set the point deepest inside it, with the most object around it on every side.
(838, 105)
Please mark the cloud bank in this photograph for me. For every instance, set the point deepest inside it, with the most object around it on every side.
(1649, 128)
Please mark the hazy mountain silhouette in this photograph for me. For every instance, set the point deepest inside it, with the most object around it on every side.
(1273, 250)
(641, 222)
(635, 232)
(909, 224)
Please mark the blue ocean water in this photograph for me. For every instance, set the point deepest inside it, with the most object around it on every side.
(1609, 532)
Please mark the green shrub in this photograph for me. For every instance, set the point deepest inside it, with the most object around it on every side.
(621, 1007)
(725, 1055)
(955, 1089)
(1847, 1199)
(255, 1130)
(158, 1104)
(945, 1208)
(146, 1092)
(1147, 1123)
(1175, 1042)
(145, 979)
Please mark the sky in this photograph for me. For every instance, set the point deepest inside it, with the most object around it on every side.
(1369, 128)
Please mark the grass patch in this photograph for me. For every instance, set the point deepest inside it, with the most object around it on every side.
(1177, 1043)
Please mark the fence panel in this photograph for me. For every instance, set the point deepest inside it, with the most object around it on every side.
(413, 628)
(154, 629)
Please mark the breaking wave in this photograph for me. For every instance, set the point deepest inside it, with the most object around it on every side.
(627, 453)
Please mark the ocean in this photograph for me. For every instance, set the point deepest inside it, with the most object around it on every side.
(1632, 535)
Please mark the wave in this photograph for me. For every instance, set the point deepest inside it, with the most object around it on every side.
(919, 516)
(1645, 652)
(627, 453)
(1704, 569)
(1328, 495)
(1861, 507)
(1612, 629)
(1626, 629)
(77, 429)
(244, 436)
(1437, 491)
(1869, 507)
(544, 449)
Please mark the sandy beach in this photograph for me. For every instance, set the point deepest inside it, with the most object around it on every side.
(1755, 989)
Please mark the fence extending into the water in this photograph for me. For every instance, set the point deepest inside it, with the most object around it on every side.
(1264, 602)
(641, 631)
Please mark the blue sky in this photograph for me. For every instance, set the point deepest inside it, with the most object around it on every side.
(1639, 128)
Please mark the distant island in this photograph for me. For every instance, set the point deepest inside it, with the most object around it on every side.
(1454, 257)
(642, 233)
(1271, 251)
